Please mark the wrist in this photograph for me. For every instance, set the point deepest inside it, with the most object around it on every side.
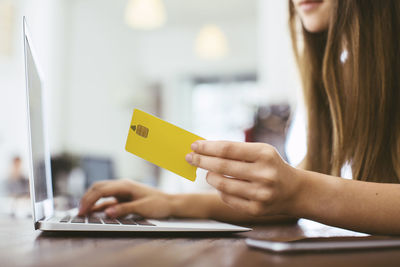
(182, 205)
(299, 200)
(190, 205)
(315, 194)
(175, 203)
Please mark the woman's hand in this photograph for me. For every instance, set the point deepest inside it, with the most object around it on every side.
(129, 197)
(251, 177)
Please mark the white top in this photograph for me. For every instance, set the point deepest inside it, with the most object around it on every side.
(296, 144)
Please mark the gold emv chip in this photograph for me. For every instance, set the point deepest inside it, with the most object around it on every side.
(140, 130)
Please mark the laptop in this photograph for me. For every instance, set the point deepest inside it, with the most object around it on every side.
(44, 216)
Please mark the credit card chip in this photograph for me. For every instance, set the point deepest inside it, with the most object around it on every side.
(140, 130)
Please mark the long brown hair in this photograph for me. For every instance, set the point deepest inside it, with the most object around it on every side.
(353, 107)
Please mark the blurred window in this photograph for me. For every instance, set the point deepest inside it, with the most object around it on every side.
(224, 109)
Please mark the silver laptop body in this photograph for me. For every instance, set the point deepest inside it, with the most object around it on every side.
(44, 216)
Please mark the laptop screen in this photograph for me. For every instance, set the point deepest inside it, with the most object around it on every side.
(36, 126)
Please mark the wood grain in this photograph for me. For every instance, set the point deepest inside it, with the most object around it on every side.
(20, 245)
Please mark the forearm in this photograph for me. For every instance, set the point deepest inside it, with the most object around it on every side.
(210, 206)
(360, 206)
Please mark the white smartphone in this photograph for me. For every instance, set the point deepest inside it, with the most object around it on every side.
(321, 245)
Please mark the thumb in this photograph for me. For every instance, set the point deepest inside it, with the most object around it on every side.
(122, 209)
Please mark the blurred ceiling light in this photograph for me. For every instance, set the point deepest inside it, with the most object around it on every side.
(145, 14)
(211, 43)
(6, 27)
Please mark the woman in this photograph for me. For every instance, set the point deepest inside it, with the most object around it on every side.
(353, 118)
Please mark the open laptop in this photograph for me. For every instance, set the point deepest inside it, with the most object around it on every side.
(44, 216)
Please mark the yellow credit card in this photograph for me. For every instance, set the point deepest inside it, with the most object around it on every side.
(161, 143)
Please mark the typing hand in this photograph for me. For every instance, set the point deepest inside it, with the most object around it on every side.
(129, 197)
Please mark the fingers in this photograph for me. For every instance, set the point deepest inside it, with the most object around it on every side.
(122, 209)
(229, 150)
(103, 189)
(102, 206)
(228, 167)
(146, 207)
(239, 188)
(236, 202)
(253, 208)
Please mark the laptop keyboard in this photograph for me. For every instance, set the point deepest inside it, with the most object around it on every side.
(93, 219)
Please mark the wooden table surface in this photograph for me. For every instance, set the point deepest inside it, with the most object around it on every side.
(20, 245)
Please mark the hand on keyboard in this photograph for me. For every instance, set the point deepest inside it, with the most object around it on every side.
(129, 198)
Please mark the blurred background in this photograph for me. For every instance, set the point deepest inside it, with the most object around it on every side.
(221, 69)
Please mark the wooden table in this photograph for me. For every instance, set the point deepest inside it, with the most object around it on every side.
(20, 245)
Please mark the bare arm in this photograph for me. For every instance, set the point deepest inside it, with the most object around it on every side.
(211, 206)
(253, 178)
(302, 164)
(356, 205)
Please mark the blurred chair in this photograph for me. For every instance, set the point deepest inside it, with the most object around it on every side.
(271, 126)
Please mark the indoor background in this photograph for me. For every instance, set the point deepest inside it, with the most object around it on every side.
(221, 69)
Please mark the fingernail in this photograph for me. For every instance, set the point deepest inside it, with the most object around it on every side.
(111, 212)
(194, 146)
(189, 158)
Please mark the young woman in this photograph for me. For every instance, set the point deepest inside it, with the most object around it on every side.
(353, 118)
